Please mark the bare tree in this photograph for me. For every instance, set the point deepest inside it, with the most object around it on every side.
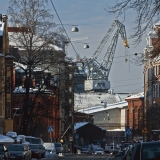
(146, 14)
(36, 41)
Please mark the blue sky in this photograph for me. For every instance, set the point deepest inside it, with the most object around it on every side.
(93, 22)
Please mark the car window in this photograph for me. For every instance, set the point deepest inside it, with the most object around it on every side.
(28, 139)
(15, 148)
(84, 149)
(1, 148)
(151, 151)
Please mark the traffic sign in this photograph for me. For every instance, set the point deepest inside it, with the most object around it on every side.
(50, 128)
(128, 131)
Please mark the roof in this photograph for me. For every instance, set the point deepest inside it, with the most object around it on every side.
(139, 95)
(88, 100)
(37, 41)
(80, 124)
(122, 104)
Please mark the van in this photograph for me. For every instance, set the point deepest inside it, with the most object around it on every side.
(22, 139)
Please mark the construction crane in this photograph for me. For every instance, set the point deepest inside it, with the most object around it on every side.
(97, 73)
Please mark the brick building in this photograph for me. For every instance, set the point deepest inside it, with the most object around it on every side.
(152, 80)
(6, 61)
(134, 115)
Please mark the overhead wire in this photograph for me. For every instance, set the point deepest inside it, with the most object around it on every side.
(63, 27)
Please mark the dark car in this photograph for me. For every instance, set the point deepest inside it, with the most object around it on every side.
(19, 152)
(146, 151)
(3, 152)
(35, 151)
(43, 151)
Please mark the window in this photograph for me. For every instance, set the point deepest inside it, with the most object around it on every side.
(8, 110)
(158, 69)
(156, 90)
(8, 85)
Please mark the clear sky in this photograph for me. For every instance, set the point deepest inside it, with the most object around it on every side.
(93, 22)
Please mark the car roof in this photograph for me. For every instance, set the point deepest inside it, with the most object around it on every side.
(17, 144)
(148, 143)
(32, 144)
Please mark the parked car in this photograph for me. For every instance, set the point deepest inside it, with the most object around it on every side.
(58, 147)
(98, 151)
(4, 152)
(43, 151)
(146, 150)
(19, 152)
(85, 150)
(35, 151)
(111, 148)
(12, 134)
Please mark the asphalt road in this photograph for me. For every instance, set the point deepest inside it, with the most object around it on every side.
(82, 157)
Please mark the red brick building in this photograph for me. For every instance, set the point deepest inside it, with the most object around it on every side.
(134, 118)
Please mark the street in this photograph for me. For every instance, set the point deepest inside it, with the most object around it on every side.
(83, 157)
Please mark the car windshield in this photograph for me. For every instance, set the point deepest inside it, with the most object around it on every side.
(1, 148)
(84, 149)
(41, 146)
(33, 146)
(99, 149)
(57, 145)
(15, 148)
(36, 141)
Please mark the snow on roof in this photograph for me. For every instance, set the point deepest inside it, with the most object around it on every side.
(117, 129)
(79, 124)
(122, 104)
(20, 66)
(37, 41)
(1, 28)
(5, 139)
(139, 95)
(85, 100)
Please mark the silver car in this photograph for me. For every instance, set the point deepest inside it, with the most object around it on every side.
(98, 151)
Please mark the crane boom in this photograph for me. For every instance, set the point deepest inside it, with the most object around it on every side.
(104, 41)
(97, 78)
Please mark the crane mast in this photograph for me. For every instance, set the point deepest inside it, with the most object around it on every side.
(97, 74)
